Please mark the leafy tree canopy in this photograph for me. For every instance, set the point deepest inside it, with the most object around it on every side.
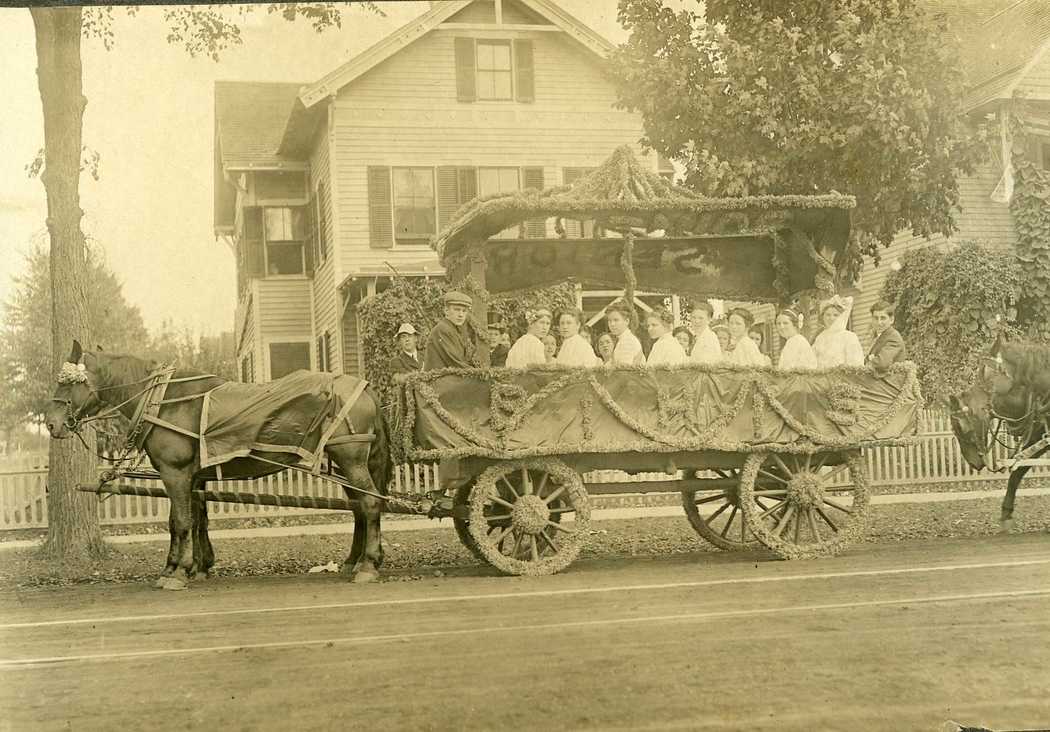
(27, 371)
(805, 96)
(952, 303)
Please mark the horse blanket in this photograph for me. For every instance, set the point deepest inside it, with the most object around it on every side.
(285, 416)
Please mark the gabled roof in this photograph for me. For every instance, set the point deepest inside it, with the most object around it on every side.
(1003, 48)
(250, 119)
(414, 30)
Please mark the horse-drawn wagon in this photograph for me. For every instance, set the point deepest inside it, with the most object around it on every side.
(763, 454)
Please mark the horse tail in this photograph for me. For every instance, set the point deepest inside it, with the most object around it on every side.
(380, 457)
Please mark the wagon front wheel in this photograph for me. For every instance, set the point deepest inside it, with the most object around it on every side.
(518, 513)
(714, 513)
(810, 509)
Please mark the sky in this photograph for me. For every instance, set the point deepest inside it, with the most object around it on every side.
(150, 118)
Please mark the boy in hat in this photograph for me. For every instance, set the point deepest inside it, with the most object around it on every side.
(450, 343)
(407, 360)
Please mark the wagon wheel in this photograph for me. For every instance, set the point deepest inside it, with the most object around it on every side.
(724, 527)
(807, 512)
(462, 498)
(515, 516)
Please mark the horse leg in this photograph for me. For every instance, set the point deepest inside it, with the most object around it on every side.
(358, 547)
(178, 483)
(173, 550)
(1006, 515)
(203, 553)
(352, 460)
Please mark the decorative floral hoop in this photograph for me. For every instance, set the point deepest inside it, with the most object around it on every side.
(72, 373)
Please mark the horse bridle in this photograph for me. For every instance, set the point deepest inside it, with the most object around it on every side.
(75, 418)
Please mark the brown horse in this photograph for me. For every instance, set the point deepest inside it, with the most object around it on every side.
(1015, 394)
(93, 382)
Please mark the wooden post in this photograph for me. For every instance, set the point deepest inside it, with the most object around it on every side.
(480, 310)
(578, 293)
(676, 309)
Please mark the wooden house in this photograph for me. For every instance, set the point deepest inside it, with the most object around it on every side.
(1006, 51)
(324, 189)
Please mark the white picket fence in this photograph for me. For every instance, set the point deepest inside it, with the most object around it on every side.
(935, 459)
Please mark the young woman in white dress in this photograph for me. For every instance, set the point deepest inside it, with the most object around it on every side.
(837, 346)
(606, 346)
(666, 348)
(796, 353)
(628, 348)
(528, 350)
(575, 349)
(742, 350)
(707, 348)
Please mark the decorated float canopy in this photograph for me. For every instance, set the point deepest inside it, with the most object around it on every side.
(653, 235)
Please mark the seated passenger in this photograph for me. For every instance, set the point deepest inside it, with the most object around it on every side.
(606, 345)
(837, 346)
(796, 353)
(575, 349)
(550, 348)
(529, 350)
(628, 348)
(758, 335)
(742, 350)
(707, 348)
(666, 348)
(685, 337)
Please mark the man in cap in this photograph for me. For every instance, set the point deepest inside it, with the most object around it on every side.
(450, 343)
(407, 360)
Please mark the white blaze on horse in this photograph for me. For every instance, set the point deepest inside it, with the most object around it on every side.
(187, 424)
(1011, 396)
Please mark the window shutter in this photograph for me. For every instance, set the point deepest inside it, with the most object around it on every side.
(525, 77)
(322, 220)
(380, 208)
(312, 256)
(466, 81)
(447, 194)
(533, 178)
(253, 241)
(468, 184)
(573, 227)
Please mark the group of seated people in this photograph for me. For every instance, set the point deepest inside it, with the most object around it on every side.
(835, 345)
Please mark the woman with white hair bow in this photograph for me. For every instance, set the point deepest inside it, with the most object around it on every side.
(529, 350)
(837, 346)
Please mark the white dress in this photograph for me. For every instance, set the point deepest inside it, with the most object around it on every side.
(836, 346)
(746, 353)
(526, 351)
(576, 351)
(707, 349)
(628, 349)
(797, 354)
(666, 350)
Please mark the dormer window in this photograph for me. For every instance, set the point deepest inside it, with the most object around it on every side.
(489, 70)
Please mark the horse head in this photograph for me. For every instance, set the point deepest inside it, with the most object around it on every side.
(971, 415)
(76, 396)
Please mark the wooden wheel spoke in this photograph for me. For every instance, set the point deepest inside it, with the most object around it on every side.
(771, 475)
(510, 486)
(770, 492)
(783, 465)
(820, 463)
(550, 543)
(500, 501)
(827, 520)
(729, 521)
(770, 511)
(542, 484)
(719, 511)
(798, 528)
(700, 501)
(502, 535)
(784, 519)
(808, 457)
(517, 544)
(563, 509)
(826, 478)
(559, 527)
(813, 524)
(839, 506)
(497, 517)
(555, 494)
(534, 549)
(526, 482)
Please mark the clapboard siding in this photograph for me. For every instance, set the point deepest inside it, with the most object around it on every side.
(249, 346)
(1036, 83)
(351, 343)
(981, 218)
(284, 308)
(323, 285)
(405, 112)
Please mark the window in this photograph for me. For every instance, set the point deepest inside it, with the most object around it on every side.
(499, 180)
(414, 213)
(288, 357)
(284, 240)
(494, 70)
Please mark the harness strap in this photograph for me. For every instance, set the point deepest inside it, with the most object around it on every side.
(169, 426)
(348, 404)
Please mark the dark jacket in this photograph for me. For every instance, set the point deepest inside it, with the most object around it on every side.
(449, 346)
(402, 363)
(887, 350)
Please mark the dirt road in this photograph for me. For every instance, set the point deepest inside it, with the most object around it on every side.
(890, 637)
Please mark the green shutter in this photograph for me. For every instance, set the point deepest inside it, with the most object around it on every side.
(524, 76)
(255, 259)
(466, 81)
(533, 178)
(380, 208)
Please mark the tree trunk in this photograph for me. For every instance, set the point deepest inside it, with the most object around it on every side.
(73, 528)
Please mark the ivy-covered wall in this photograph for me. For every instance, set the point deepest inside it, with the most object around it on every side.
(1030, 207)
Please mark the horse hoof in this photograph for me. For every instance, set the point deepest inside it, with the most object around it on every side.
(364, 576)
(172, 583)
(1006, 526)
(158, 584)
(346, 569)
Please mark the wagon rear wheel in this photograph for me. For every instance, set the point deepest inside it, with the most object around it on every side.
(516, 516)
(715, 513)
(810, 509)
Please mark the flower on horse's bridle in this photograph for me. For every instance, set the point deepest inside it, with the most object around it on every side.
(72, 373)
